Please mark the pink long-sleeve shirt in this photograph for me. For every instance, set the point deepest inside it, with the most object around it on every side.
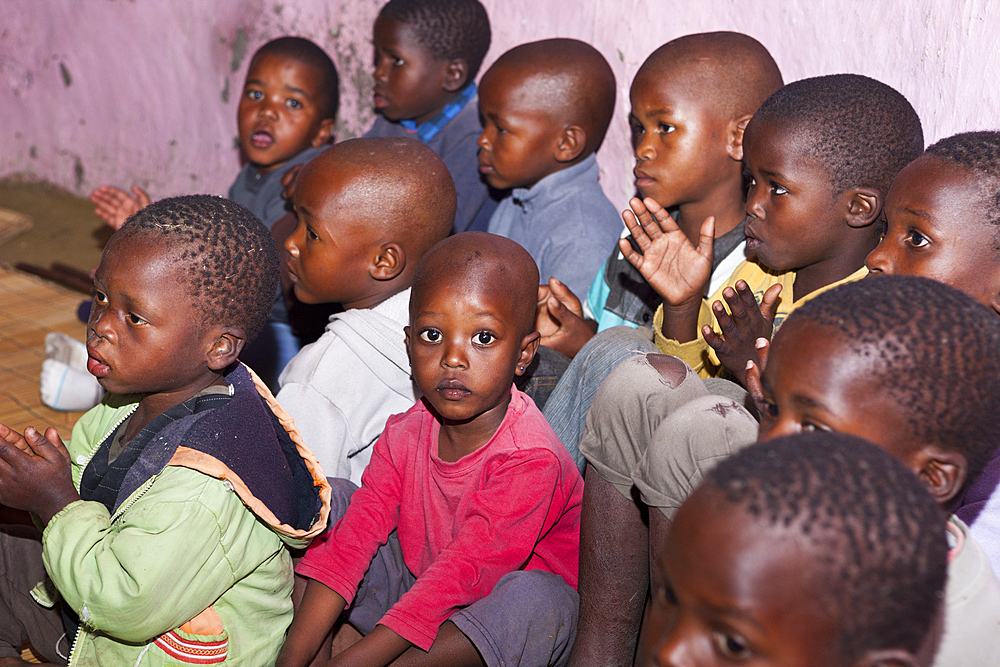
(513, 504)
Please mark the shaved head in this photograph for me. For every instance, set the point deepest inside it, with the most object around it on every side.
(734, 71)
(398, 185)
(567, 79)
(486, 261)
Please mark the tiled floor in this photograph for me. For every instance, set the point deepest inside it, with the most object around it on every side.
(30, 308)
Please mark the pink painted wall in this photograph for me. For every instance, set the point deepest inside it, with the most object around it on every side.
(111, 91)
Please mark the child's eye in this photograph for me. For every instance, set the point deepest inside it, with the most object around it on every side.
(293, 104)
(100, 297)
(483, 338)
(665, 128)
(398, 62)
(731, 646)
(770, 409)
(135, 319)
(311, 235)
(254, 94)
(751, 181)
(779, 190)
(917, 240)
(664, 595)
(430, 335)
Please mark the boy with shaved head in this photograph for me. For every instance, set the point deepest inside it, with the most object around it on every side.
(545, 108)
(460, 547)
(367, 211)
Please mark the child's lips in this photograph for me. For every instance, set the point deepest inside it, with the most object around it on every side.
(452, 390)
(261, 139)
(96, 366)
(378, 99)
(642, 178)
(752, 241)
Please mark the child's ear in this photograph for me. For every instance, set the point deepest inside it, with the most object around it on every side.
(226, 348)
(572, 141)
(894, 657)
(325, 132)
(389, 262)
(734, 136)
(529, 346)
(863, 207)
(942, 472)
(456, 75)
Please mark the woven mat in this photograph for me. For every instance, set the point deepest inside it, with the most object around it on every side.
(30, 308)
(12, 223)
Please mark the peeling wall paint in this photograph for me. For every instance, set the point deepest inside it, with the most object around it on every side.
(145, 91)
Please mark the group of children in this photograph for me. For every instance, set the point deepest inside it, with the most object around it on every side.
(456, 240)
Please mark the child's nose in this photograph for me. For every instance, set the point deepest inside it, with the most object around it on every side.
(101, 323)
(642, 147)
(381, 72)
(454, 355)
(754, 205)
(269, 108)
(483, 141)
(674, 649)
(878, 259)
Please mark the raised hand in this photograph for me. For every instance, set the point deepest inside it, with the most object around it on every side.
(754, 370)
(742, 326)
(115, 206)
(676, 269)
(559, 318)
(35, 472)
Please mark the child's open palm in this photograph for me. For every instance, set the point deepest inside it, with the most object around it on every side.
(115, 206)
(675, 268)
(35, 472)
(742, 326)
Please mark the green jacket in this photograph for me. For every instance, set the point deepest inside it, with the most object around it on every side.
(191, 568)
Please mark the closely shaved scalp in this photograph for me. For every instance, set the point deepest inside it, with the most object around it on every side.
(569, 80)
(399, 184)
(735, 71)
(872, 532)
(477, 258)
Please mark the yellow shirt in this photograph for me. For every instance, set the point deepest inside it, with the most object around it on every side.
(697, 353)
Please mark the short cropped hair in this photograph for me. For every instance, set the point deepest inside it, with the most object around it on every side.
(306, 52)
(860, 130)
(879, 558)
(449, 29)
(223, 252)
(980, 153)
(932, 349)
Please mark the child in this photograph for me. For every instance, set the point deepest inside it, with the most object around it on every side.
(873, 359)
(483, 498)
(427, 54)
(285, 117)
(688, 149)
(820, 153)
(368, 209)
(817, 550)
(942, 214)
(545, 108)
(166, 518)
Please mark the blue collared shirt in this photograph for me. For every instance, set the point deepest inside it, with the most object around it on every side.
(428, 129)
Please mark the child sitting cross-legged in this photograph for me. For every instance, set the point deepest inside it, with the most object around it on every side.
(367, 209)
(427, 54)
(483, 499)
(942, 217)
(690, 103)
(814, 550)
(909, 364)
(166, 517)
